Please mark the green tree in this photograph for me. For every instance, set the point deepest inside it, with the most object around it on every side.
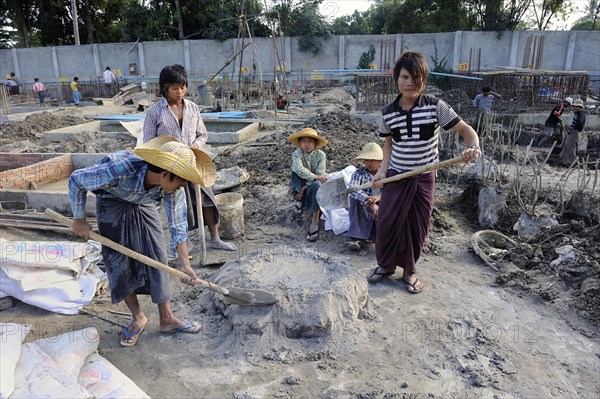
(543, 12)
(591, 20)
(355, 24)
(366, 59)
(302, 19)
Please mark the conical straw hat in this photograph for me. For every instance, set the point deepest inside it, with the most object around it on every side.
(307, 132)
(370, 151)
(168, 153)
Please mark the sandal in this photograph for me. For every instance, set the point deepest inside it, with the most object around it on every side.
(312, 237)
(297, 208)
(130, 338)
(376, 276)
(411, 287)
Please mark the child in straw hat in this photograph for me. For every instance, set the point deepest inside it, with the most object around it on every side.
(308, 172)
(364, 204)
(128, 186)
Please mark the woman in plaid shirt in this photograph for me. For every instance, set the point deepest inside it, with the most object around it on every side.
(179, 117)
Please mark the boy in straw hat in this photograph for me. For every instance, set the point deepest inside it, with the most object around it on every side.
(364, 204)
(308, 172)
(568, 153)
(128, 185)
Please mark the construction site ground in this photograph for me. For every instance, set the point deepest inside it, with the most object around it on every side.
(526, 330)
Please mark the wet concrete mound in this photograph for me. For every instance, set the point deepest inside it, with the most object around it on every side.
(320, 298)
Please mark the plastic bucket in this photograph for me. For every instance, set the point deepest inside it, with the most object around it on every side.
(231, 209)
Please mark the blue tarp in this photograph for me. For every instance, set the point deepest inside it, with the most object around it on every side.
(137, 117)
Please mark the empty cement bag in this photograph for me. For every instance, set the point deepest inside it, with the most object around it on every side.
(101, 378)
(38, 376)
(12, 336)
(69, 350)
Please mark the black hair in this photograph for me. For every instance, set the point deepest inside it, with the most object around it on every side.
(157, 169)
(415, 64)
(486, 89)
(76, 78)
(107, 68)
(36, 79)
(171, 75)
(12, 74)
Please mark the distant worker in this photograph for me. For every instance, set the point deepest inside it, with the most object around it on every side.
(282, 101)
(40, 90)
(568, 154)
(485, 100)
(364, 204)
(308, 172)
(554, 124)
(109, 80)
(75, 90)
(13, 84)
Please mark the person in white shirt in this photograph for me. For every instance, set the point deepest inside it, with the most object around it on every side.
(109, 80)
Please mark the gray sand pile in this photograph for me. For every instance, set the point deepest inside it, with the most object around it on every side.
(322, 304)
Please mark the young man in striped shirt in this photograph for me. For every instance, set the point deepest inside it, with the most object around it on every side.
(411, 126)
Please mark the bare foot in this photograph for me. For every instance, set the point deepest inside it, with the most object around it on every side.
(220, 244)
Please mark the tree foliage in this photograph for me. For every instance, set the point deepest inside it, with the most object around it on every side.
(30, 23)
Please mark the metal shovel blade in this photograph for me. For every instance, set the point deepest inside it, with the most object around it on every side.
(248, 296)
(333, 194)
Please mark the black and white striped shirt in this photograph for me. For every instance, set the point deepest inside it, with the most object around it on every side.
(415, 133)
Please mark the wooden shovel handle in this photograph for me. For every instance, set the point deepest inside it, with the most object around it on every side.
(135, 255)
(435, 166)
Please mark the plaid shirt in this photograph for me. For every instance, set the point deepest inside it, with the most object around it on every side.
(361, 176)
(121, 175)
(308, 166)
(160, 121)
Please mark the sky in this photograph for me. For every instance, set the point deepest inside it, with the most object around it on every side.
(336, 8)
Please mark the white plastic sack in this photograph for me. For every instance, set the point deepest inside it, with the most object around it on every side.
(337, 220)
(38, 376)
(12, 336)
(104, 380)
(64, 288)
(70, 350)
(65, 298)
(346, 173)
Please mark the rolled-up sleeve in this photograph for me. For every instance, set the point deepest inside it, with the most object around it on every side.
(176, 210)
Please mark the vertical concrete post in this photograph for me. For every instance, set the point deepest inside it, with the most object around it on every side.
(570, 50)
(17, 68)
(457, 49)
(55, 64)
(186, 56)
(341, 52)
(142, 58)
(398, 48)
(287, 51)
(96, 59)
(514, 48)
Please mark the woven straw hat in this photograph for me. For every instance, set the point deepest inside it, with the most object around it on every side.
(307, 132)
(578, 103)
(370, 151)
(168, 153)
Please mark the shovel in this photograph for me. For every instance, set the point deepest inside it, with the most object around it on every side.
(233, 296)
(333, 194)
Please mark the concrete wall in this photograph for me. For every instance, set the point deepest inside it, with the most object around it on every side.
(562, 50)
